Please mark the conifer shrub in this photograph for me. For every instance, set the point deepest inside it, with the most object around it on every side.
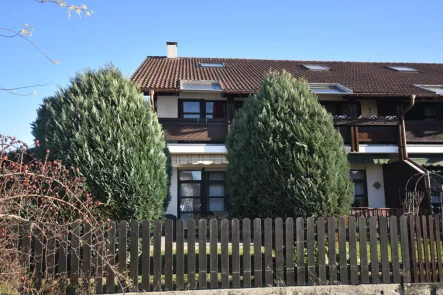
(286, 159)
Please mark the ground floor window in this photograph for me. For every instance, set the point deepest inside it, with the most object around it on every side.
(201, 193)
(358, 177)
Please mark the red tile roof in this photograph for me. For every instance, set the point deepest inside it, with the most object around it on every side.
(244, 75)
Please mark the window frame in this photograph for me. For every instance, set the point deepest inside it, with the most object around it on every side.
(204, 192)
(365, 186)
(202, 108)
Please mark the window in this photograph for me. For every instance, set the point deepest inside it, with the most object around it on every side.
(329, 89)
(438, 89)
(317, 67)
(360, 190)
(426, 111)
(403, 69)
(201, 193)
(209, 109)
(211, 65)
(195, 85)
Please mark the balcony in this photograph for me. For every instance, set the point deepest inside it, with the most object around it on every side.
(356, 131)
(353, 131)
(195, 130)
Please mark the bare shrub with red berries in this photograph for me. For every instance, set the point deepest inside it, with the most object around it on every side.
(44, 206)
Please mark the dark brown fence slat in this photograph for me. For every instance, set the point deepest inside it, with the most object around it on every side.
(50, 252)
(202, 264)
(157, 266)
(133, 263)
(268, 253)
(321, 250)
(342, 250)
(374, 253)
(99, 257)
(426, 248)
(279, 269)
(412, 243)
(98, 260)
(331, 251)
(87, 250)
(394, 250)
(300, 225)
(289, 251)
(236, 253)
(38, 257)
(213, 236)
(180, 258)
(146, 255)
(246, 253)
(169, 259)
(122, 249)
(438, 245)
(75, 253)
(353, 250)
(405, 249)
(363, 242)
(258, 279)
(191, 255)
(224, 243)
(432, 247)
(310, 232)
(420, 267)
(110, 274)
(383, 224)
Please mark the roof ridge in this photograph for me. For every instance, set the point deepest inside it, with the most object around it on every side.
(299, 61)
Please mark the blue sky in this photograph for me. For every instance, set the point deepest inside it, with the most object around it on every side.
(125, 32)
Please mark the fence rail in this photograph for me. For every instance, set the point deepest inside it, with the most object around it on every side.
(248, 253)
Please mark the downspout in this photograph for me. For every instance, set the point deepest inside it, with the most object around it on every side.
(405, 156)
(151, 96)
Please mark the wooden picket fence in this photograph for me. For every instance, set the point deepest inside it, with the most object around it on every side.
(259, 253)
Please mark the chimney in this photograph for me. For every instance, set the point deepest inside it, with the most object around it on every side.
(171, 49)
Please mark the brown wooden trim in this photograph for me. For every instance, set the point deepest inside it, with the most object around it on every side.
(365, 122)
(352, 139)
(357, 145)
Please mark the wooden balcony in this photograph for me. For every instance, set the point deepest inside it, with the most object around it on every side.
(356, 131)
(195, 130)
(353, 131)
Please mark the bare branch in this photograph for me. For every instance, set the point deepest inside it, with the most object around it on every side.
(71, 7)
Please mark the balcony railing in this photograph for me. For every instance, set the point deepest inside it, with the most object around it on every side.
(353, 131)
(356, 131)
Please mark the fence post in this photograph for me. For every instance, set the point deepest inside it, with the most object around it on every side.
(246, 252)
(375, 276)
(331, 251)
(146, 254)
(213, 239)
(321, 250)
(122, 250)
(384, 249)
(300, 251)
(394, 250)
(224, 253)
(353, 250)
(279, 269)
(75, 253)
(289, 251)
(110, 258)
(412, 242)
(203, 268)
(191, 254)
(169, 258)
(342, 250)
(157, 255)
(420, 267)
(257, 254)
(236, 253)
(134, 254)
(180, 261)
(405, 249)
(312, 274)
(268, 253)
(426, 248)
(363, 242)
(432, 248)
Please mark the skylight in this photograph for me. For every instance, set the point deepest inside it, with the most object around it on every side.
(438, 89)
(329, 89)
(211, 65)
(403, 69)
(195, 85)
(317, 67)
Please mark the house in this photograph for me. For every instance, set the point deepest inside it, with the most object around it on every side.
(196, 100)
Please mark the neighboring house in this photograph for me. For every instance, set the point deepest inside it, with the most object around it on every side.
(196, 100)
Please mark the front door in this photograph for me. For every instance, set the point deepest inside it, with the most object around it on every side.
(201, 193)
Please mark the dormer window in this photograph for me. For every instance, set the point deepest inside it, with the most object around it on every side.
(438, 89)
(196, 85)
(403, 69)
(211, 65)
(317, 67)
(322, 88)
